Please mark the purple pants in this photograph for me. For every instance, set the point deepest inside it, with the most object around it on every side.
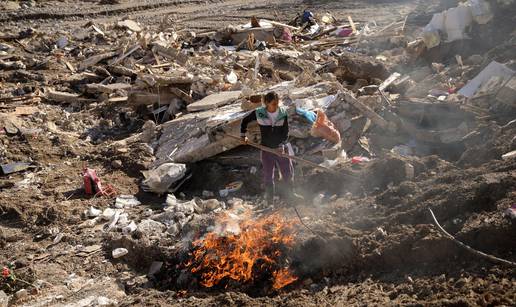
(269, 162)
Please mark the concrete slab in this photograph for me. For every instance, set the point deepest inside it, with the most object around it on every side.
(214, 101)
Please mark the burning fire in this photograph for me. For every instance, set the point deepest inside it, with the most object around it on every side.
(254, 252)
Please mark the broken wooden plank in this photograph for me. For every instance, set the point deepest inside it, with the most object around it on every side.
(106, 89)
(260, 34)
(145, 98)
(98, 30)
(124, 55)
(70, 66)
(25, 110)
(279, 24)
(162, 80)
(170, 53)
(121, 70)
(163, 65)
(352, 24)
(95, 59)
(365, 110)
(214, 101)
(181, 94)
(117, 99)
(61, 96)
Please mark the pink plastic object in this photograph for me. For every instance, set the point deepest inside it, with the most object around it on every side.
(357, 160)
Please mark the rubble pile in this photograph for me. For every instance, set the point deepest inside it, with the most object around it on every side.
(120, 147)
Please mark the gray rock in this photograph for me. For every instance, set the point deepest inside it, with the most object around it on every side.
(21, 294)
(150, 227)
(155, 268)
(4, 299)
(117, 164)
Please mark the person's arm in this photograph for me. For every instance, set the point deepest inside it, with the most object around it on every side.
(245, 121)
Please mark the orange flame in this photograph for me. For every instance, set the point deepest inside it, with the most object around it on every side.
(258, 248)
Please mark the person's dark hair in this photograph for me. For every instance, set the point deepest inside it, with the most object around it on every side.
(270, 97)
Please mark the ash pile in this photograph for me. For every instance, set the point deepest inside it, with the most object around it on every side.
(409, 101)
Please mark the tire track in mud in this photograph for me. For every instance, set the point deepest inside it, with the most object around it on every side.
(94, 12)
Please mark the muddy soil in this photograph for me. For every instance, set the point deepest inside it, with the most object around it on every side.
(378, 247)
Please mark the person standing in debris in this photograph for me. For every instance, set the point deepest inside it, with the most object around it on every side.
(273, 122)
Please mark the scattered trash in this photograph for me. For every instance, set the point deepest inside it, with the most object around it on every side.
(232, 78)
(322, 127)
(133, 97)
(93, 186)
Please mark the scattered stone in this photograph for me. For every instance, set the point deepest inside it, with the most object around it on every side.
(160, 179)
(58, 238)
(208, 205)
(126, 201)
(475, 59)
(119, 252)
(173, 230)
(93, 212)
(117, 164)
(207, 194)
(155, 268)
(21, 294)
(4, 299)
(151, 227)
(130, 25)
(62, 42)
(129, 228)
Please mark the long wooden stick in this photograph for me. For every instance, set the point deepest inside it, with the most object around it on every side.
(470, 249)
(267, 149)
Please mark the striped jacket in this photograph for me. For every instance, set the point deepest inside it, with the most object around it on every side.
(273, 134)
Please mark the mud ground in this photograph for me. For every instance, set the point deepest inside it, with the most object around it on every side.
(399, 256)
